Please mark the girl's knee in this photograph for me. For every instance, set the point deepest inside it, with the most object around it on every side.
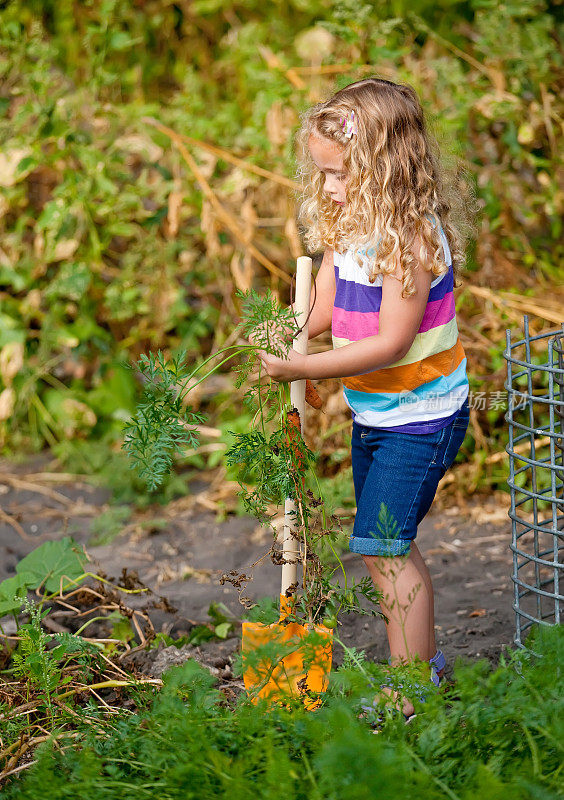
(387, 558)
(386, 566)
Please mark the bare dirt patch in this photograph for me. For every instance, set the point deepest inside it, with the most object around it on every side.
(183, 555)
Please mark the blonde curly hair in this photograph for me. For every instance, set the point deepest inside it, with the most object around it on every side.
(393, 182)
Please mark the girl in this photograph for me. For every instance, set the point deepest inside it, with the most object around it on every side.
(374, 200)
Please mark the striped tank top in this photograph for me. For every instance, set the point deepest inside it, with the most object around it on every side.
(423, 391)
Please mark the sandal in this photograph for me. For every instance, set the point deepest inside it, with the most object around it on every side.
(375, 717)
(438, 664)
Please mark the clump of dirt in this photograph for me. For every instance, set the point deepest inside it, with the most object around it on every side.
(217, 657)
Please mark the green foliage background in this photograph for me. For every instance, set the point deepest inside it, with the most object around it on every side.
(97, 266)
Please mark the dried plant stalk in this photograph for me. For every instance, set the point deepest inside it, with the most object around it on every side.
(225, 216)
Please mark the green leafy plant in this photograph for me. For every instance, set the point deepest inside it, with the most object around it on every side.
(53, 565)
(12, 593)
(33, 661)
(495, 731)
(273, 461)
(44, 672)
(220, 627)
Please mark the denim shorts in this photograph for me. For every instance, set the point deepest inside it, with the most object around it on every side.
(395, 478)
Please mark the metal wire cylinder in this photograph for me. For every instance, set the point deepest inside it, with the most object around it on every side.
(535, 415)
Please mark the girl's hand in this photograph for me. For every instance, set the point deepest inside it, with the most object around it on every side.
(281, 369)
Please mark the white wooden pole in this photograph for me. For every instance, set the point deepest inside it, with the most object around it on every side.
(290, 545)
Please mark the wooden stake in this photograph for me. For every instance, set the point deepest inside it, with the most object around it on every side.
(290, 546)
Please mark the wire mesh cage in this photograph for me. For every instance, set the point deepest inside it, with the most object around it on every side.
(535, 395)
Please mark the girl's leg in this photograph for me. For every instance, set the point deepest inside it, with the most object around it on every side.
(424, 572)
(401, 480)
(407, 603)
(402, 475)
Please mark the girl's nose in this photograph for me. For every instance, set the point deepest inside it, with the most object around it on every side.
(329, 184)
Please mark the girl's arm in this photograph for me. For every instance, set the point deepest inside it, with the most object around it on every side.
(399, 321)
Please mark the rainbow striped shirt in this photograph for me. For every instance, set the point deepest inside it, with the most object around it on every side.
(423, 391)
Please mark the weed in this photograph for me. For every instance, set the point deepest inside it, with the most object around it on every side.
(496, 732)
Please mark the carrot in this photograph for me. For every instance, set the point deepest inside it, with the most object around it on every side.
(294, 436)
(312, 397)
(294, 426)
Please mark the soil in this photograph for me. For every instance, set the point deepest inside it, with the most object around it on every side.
(183, 556)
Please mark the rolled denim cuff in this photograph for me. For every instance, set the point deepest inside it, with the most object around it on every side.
(368, 546)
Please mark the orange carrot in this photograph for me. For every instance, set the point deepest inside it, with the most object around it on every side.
(294, 435)
(294, 424)
(311, 396)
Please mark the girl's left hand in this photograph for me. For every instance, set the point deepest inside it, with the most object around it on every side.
(281, 369)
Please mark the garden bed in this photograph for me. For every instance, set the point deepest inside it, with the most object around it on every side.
(181, 550)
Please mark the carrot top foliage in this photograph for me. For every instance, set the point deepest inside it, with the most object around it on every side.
(495, 732)
(273, 461)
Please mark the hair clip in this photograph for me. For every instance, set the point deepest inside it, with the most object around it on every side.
(349, 125)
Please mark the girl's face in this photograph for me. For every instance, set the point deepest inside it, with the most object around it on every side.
(328, 158)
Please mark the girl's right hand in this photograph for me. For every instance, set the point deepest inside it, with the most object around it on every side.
(271, 339)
